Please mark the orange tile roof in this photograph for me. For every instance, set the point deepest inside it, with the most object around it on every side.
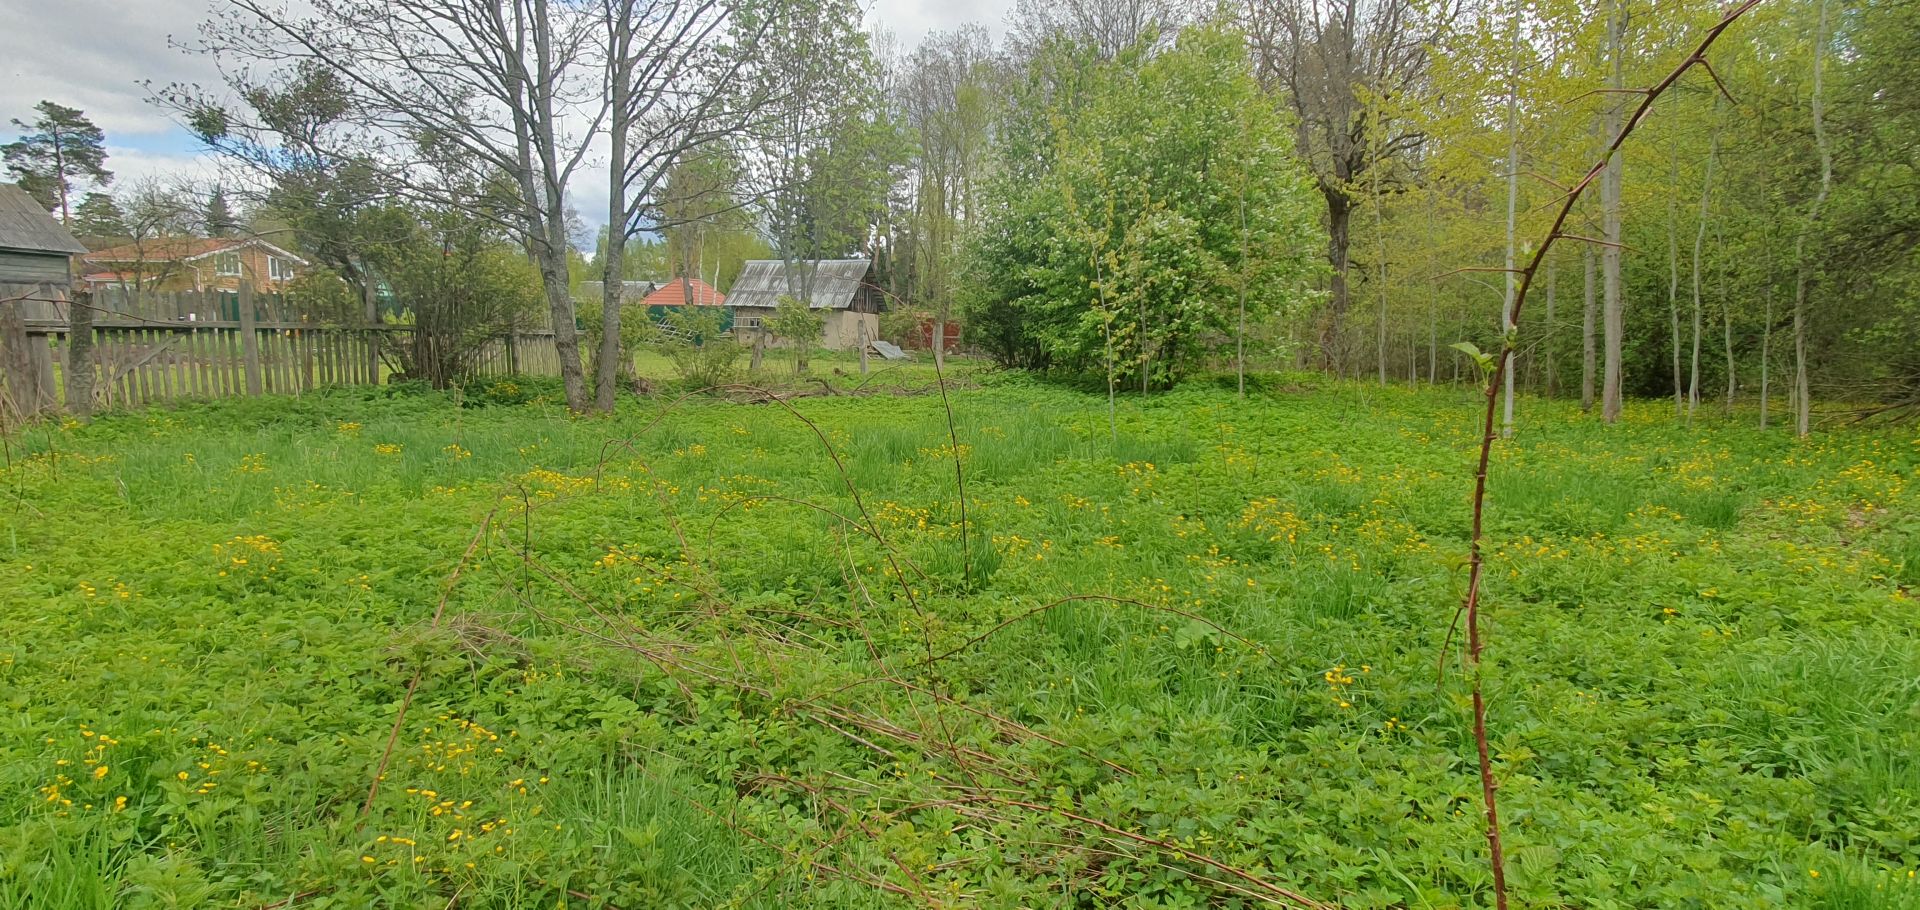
(674, 293)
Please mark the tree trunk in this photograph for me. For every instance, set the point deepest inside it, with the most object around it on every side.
(1699, 241)
(940, 343)
(1673, 300)
(1614, 315)
(1726, 322)
(1589, 351)
(1333, 332)
(1802, 393)
(1766, 352)
(1513, 202)
(1553, 329)
(1380, 244)
(1240, 325)
(606, 374)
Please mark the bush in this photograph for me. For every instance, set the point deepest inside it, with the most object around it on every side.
(700, 355)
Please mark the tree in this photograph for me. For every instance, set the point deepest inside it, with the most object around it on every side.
(818, 176)
(1115, 231)
(99, 216)
(946, 99)
(685, 81)
(1109, 27)
(501, 87)
(1344, 66)
(1802, 388)
(294, 131)
(1613, 306)
(219, 220)
(158, 214)
(58, 148)
(799, 325)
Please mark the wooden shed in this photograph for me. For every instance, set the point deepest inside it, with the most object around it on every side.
(843, 290)
(36, 253)
(36, 279)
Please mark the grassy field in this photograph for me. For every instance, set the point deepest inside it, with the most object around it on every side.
(735, 655)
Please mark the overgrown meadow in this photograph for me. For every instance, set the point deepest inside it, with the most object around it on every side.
(399, 648)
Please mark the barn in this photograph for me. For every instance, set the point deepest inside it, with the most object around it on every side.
(842, 290)
(36, 255)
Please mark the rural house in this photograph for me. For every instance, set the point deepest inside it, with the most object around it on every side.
(192, 264)
(677, 293)
(843, 289)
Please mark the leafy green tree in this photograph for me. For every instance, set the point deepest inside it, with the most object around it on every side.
(60, 147)
(799, 325)
(294, 130)
(1127, 236)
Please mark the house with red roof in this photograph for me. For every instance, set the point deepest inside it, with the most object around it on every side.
(192, 264)
(676, 293)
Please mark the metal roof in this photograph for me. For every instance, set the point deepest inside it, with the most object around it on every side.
(832, 282)
(24, 225)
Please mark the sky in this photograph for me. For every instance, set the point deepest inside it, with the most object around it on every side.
(96, 54)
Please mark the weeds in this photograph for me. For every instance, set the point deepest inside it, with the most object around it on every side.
(682, 672)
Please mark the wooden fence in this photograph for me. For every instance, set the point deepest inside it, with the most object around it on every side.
(144, 360)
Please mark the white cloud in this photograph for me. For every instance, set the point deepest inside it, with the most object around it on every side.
(93, 55)
(911, 20)
(131, 164)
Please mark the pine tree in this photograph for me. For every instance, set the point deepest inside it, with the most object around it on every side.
(98, 215)
(56, 149)
(219, 218)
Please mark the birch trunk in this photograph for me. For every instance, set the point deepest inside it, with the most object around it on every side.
(1802, 394)
(1614, 316)
(1513, 203)
(1699, 241)
(1589, 350)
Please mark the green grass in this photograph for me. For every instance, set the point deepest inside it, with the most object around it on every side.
(678, 669)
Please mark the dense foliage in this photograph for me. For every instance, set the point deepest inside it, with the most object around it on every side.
(1149, 205)
(654, 683)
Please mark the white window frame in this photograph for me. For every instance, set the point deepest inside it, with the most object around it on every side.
(746, 322)
(279, 269)
(220, 265)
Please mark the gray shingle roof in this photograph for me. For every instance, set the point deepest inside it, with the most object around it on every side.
(834, 283)
(24, 225)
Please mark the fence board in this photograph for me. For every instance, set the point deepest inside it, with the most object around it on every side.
(139, 358)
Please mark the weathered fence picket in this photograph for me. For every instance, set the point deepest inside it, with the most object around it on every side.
(156, 347)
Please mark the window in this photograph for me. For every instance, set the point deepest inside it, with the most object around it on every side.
(279, 269)
(746, 322)
(226, 265)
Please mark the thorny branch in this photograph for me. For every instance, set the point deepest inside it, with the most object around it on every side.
(1476, 643)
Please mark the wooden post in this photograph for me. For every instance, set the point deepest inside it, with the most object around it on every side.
(80, 357)
(249, 340)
